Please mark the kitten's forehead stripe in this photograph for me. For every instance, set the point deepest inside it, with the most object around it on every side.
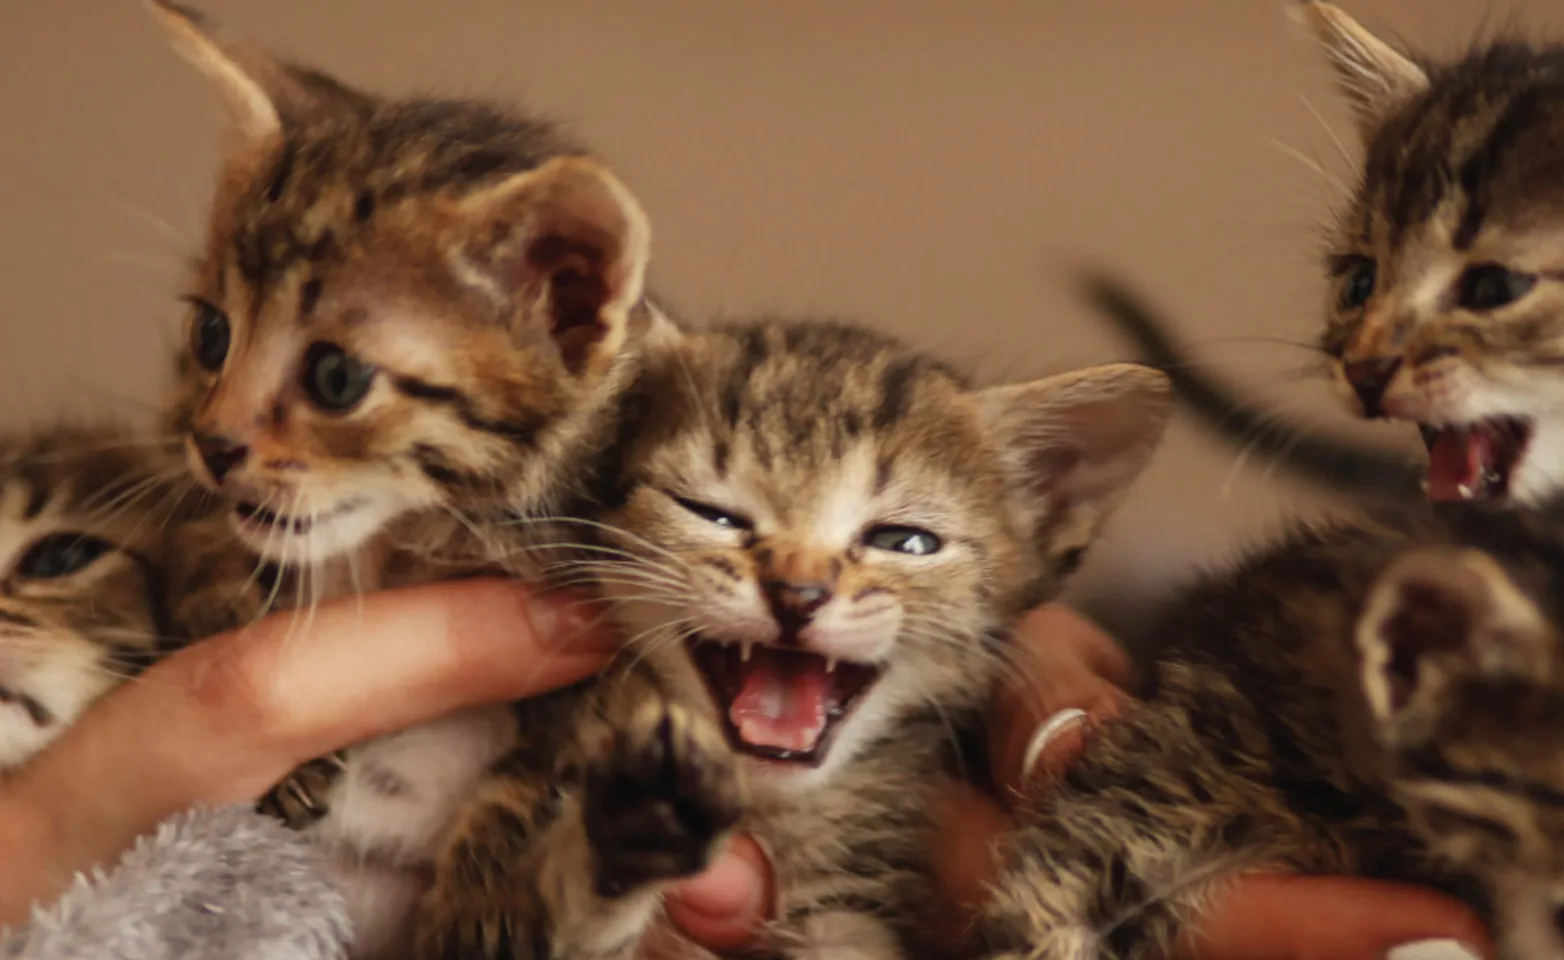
(1459, 139)
(1523, 112)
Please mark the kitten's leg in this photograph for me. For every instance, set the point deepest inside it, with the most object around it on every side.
(303, 797)
(656, 798)
(484, 902)
(1170, 802)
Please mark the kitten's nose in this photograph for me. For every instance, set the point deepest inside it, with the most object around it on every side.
(793, 604)
(220, 454)
(1368, 379)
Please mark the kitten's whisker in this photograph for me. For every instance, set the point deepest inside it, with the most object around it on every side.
(1340, 147)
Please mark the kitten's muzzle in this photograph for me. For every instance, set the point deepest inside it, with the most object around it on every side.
(794, 604)
(1369, 380)
(219, 454)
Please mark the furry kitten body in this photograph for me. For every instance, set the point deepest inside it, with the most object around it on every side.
(94, 537)
(409, 330)
(1379, 698)
(818, 544)
(1446, 304)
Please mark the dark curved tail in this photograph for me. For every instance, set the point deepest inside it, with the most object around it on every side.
(1337, 463)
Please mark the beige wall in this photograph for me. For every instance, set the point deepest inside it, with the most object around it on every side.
(929, 166)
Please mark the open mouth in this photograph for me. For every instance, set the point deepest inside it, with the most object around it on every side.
(1474, 461)
(254, 515)
(36, 712)
(778, 703)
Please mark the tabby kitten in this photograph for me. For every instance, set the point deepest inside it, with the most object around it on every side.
(818, 545)
(91, 536)
(1447, 282)
(410, 326)
(1383, 698)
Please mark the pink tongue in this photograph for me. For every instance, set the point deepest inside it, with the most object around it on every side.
(1458, 460)
(784, 709)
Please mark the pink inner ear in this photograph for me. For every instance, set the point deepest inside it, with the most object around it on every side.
(574, 272)
(1428, 621)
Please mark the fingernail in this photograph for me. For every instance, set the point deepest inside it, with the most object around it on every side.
(1434, 950)
(571, 620)
(1047, 732)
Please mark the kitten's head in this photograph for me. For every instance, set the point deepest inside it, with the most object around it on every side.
(83, 517)
(401, 304)
(1463, 671)
(1447, 268)
(823, 532)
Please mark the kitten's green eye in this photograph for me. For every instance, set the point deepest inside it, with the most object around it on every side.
(334, 379)
(60, 554)
(210, 336)
(909, 540)
(1489, 286)
(1361, 274)
(716, 515)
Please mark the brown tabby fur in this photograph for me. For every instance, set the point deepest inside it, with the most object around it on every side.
(1445, 304)
(95, 532)
(758, 459)
(1380, 698)
(481, 280)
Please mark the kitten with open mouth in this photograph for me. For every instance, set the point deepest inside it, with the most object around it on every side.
(1444, 301)
(408, 332)
(817, 543)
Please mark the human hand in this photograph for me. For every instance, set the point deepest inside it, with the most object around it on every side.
(224, 719)
(1073, 684)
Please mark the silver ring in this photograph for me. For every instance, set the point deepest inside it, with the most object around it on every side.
(1046, 732)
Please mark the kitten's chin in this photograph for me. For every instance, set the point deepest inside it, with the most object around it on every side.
(294, 539)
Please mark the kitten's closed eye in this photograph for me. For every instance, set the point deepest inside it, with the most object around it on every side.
(334, 379)
(1489, 286)
(902, 539)
(716, 515)
(61, 554)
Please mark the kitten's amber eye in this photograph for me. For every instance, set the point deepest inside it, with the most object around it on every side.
(1360, 275)
(60, 554)
(210, 336)
(717, 515)
(1488, 286)
(334, 379)
(909, 540)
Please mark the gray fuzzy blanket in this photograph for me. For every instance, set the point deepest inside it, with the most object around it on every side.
(214, 884)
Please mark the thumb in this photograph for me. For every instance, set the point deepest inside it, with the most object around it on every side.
(725, 906)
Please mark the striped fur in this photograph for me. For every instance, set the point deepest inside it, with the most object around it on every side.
(1459, 176)
(409, 327)
(759, 460)
(93, 526)
(1376, 698)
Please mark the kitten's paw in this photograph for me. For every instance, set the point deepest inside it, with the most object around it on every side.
(301, 799)
(657, 802)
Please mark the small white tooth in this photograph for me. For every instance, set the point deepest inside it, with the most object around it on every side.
(745, 649)
(830, 664)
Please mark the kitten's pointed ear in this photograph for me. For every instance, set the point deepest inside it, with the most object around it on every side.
(1437, 615)
(1375, 77)
(258, 91)
(1073, 443)
(568, 245)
